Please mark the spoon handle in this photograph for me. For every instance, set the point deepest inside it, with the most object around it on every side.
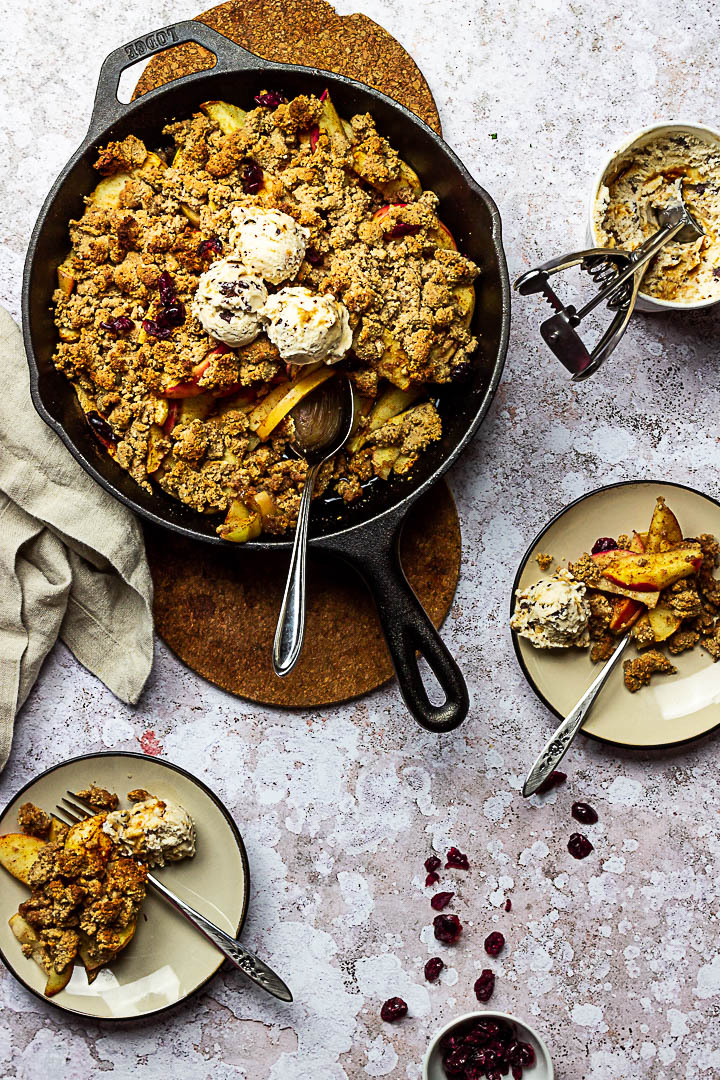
(290, 629)
(557, 745)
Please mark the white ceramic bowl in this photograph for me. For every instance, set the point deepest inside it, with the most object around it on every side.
(541, 1070)
(644, 135)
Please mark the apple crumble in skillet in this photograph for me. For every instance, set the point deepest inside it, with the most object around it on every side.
(214, 281)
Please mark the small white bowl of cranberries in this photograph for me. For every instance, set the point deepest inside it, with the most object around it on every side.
(487, 1046)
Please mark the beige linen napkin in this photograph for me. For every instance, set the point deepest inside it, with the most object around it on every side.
(72, 558)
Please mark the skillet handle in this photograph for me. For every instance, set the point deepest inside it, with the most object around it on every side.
(228, 56)
(408, 630)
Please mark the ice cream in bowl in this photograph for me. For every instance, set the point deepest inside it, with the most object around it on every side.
(640, 177)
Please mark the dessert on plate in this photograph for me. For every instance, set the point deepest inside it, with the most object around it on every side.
(217, 278)
(657, 585)
(87, 881)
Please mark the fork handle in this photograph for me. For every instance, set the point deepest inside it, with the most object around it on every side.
(250, 965)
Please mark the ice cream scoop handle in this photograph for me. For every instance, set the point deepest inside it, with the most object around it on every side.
(250, 965)
(557, 746)
(291, 621)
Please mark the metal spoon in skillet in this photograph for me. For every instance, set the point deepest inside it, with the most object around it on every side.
(323, 423)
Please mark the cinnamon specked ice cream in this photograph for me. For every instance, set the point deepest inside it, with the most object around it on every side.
(269, 243)
(646, 178)
(306, 327)
(553, 613)
(228, 303)
(154, 830)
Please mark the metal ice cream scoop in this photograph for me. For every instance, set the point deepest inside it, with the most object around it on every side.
(619, 273)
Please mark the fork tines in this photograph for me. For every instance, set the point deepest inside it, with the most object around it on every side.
(74, 808)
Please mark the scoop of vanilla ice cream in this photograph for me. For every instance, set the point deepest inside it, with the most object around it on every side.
(306, 327)
(553, 613)
(155, 830)
(228, 302)
(268, 242)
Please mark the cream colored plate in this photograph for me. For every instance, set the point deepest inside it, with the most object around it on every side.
(673, 708)
(167, 959)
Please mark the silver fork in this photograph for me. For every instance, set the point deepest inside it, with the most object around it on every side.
(75, 810)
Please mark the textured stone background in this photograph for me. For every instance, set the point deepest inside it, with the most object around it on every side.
(615, 959)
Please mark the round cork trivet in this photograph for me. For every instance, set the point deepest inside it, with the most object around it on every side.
(308, 32)
(217, 609)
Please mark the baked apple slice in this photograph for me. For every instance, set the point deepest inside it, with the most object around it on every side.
(228, 118)
(18, 852)
(664, 532)
(637, 544)
(279, 402)
(625, 613)
(65, 277)
(663, 622)
(56, 980)
(391, 402)
(241, 524)
(653, 572)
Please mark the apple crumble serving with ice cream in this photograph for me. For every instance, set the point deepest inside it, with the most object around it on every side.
(88, 881)
(656, 585)
(217, 279)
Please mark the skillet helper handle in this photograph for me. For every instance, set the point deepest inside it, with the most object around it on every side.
(107, 109)
(408, 630)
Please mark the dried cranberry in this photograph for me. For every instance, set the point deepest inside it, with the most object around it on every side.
(555, 779)
(401, 228)
(456, 860)
(121, 325)
(485, 985)
(441, 900)
(584, 813)
(517, 1072)
(508, 904)
(433, 863)
(447, 928)
(579, 846)
(433, 968)
(431, 879)
(455, 1062)
(393, 1009)
(605, 543)
(205, 247)
(527, 1054)
(172, 315)
(494, 943)
(155, 330)
(314, 257)
(101, 429)
(251, 177)
(166, 286)
(475, 1068)
(270, 99)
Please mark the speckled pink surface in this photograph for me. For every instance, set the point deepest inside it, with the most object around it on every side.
(615, 960)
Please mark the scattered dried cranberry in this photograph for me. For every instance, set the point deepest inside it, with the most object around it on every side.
(447, 928)
(456, 860)
(433, 863)
(205, 247)
(393, 1009)
(251, 177)
(431, 879)
(101, 429)
(508, 904)
(555, 779)
(579, 846)
(605, 543)
(150, 326)
(494, 943)
(313, 256)
(433, 968)
(485, 985)
(584, 813)
(270, 99)
(166, 286)
(401, 228)
(441, 900)
(121, 325)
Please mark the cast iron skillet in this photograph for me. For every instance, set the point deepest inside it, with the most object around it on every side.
(366, 534)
